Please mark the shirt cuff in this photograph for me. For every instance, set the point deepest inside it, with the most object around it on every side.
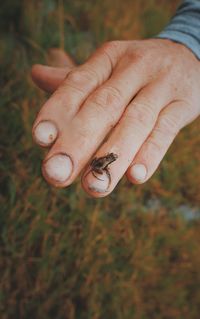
(183, 38)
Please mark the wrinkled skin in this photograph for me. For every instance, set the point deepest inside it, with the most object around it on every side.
(136, 94)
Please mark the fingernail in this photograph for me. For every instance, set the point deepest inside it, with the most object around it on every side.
(138, 172)
(58, 168)
(97, 182)
(45, 133)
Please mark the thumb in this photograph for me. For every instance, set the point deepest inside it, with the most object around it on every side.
(48, 78)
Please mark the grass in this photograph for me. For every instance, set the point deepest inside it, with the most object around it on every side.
(62, 254)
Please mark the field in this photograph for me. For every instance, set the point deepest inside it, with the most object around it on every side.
(63, 255)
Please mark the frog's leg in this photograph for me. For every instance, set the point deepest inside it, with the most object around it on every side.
(109, 177)
(93, 173)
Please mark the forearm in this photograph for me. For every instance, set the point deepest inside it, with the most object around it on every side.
(185, 26)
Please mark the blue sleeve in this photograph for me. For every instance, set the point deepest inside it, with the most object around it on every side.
(185, 26)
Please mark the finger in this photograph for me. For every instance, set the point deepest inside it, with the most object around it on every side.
(48, 78)
(58, 58)
(169, 123)
(80, 82)
(101, 111)
(128, 136)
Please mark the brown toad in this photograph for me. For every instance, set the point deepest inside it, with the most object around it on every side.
(100, 165)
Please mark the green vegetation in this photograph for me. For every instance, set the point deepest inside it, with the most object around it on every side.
(64, 255)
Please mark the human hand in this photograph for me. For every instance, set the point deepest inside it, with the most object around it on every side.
(131, 98)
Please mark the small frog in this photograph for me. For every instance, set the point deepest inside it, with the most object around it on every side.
(100, 165)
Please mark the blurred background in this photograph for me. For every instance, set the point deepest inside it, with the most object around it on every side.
(63, 255)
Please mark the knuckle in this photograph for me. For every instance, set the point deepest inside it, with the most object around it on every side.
(143, 113)
(107, 101)
(71, 90)
(110, 46)
(137, 55)
(90, 74)
(154, 146)
(77, 77)
(167, 125)
(109, 97)
(83, 78)
(111, 51)
(71, 87)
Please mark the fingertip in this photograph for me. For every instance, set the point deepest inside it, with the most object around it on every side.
(39, 75)
(45, 133)
(137, 173)
(96, 185)
(57, 169)
(35, 69)
(48, 78)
